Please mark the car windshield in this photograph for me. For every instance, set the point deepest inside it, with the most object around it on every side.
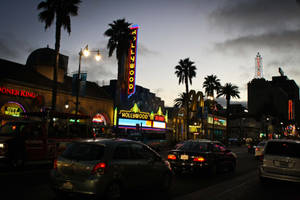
(194, 146)
(84, 152)
(289, 149)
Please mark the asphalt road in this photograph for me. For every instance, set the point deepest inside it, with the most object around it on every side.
(33, 184)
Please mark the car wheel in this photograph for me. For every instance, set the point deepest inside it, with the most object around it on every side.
(113, 191)
(166, 183)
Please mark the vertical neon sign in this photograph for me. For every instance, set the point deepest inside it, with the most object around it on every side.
(291, 110)
(132, 61)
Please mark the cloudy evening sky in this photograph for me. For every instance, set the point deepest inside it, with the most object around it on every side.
(222, 37)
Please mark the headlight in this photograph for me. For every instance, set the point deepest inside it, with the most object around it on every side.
(1, 145)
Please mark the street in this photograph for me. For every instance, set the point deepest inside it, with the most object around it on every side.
(33, 183)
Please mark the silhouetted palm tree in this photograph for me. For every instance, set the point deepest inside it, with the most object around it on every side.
(228, 90)
(185, 71)
(60, 10)
(180, 101)
(211, 83)
(119, 40)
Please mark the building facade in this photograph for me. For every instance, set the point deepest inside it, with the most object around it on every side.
(28, 88)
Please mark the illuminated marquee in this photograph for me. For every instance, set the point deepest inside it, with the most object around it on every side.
(14, 92)
(130, 118)
(132, 61)
(134, 115)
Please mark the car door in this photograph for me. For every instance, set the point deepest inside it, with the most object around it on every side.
(150, 165)
(125, 166)
(35, 142)
(220, 155)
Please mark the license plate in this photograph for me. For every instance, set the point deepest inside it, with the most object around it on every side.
(67, 186)
(184, 157)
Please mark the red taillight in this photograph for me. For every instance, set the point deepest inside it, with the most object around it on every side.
(55, 164)
(257, 149)
(199, 159)
(171, 157)
(99, 168)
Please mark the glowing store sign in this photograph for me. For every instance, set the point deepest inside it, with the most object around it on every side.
(98, 119)
(159, 124)
(132, 61)
(14, 92)
(13, 109)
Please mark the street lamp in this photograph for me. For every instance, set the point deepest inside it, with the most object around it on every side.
(85, 52)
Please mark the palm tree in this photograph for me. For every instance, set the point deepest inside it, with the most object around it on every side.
(211, 84)
(180, 101)
(120, 37)
(228, 90)
(60, 10)
(185, 71)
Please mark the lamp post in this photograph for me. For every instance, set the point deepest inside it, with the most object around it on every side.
(85, 52)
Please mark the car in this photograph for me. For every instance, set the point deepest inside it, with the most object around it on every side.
(201, 154)
(259, 149)
(280, 161)
(108, 167)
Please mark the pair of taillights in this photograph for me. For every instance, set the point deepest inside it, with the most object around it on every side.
(196, 159)
(97, 169)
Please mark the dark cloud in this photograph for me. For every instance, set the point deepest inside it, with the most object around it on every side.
(12, 48)
(257, 15)
(281, 50)
(285, 41)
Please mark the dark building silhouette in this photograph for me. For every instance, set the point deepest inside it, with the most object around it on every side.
(278, 99)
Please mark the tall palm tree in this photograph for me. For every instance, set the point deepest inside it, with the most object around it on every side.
(120, 37)
(185, 71)
(211, 83)
(228, 90)
(61, 11)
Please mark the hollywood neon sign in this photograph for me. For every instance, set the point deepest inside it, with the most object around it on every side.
(15, 92)
(132, 61)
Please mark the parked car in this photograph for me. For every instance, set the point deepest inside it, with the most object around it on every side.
(281, 161)
(259, 149)
(198, 155)
(107, 167)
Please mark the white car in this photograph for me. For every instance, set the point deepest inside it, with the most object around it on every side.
(259, 149)
(281, 161)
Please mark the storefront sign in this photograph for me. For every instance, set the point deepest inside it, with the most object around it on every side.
(99, 118)
(14, 92)
(12, 108)
(132, 61)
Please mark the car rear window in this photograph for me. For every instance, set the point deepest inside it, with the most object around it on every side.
(84, 152)
(194, 146)
(289, 149)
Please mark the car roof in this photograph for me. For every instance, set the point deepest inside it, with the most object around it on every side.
(284, 140)
(106, 140)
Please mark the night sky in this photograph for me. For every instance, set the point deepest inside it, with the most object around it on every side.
(222, 37)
